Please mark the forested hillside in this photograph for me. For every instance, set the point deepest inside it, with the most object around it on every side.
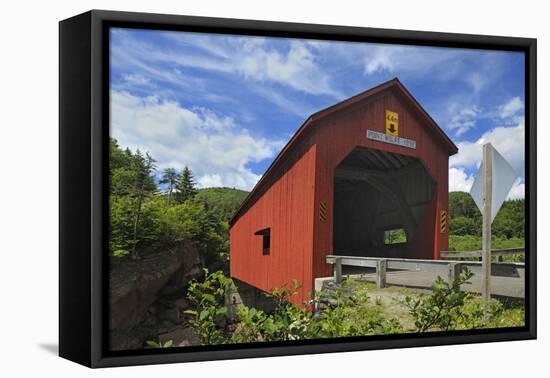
(151, 211)
(508, 228)
(222, 201)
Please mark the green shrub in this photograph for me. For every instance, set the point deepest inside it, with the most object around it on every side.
(508, 317)
(210, 314)
(286, 322)
(159, 345)
(448, 308)
(351, 313)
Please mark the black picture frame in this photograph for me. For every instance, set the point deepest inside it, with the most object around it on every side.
(83, 164)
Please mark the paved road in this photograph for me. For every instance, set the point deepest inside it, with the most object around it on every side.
(500, 286)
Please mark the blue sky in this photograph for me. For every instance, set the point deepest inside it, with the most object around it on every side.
(226, 105)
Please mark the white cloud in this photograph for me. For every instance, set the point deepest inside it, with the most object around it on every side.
(137, 79)
(296, 107)
(252, 58)
(509, 141)
(517, 191)
(215, 148)
(477, 80)
(459, 180)
(411, 60)
(297, 68)
(437, 64)
(464, 120)
(511, 108)
(488, 69)
(209, 181)
(381, 60)
(463, 116)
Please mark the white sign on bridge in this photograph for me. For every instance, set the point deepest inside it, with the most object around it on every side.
(381, 137)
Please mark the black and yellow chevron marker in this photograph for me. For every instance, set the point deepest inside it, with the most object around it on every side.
(322, 211)
(443, 221)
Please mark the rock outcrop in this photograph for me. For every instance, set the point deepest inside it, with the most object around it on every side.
(147, 296)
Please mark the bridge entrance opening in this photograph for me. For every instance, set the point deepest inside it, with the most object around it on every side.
(384, 206)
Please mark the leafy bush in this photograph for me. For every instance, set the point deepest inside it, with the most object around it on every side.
(508, 317)
(448, 308)
(209, 315)
(286, 322)
(159, 345)
(351, 312)
(442, 308)
(253, 326)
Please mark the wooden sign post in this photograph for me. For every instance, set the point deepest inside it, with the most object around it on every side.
(491, 186)
(486, 228)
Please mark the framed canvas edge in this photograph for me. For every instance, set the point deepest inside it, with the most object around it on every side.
(259, 351)
(99, 154)
(531, 183)
(75, 271)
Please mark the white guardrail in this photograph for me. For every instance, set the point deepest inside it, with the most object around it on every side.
(499, 253)
(444, 268)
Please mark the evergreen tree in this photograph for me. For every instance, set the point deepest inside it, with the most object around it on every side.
(122, 175)
(144, 166)
(170, 177)
(186, 186)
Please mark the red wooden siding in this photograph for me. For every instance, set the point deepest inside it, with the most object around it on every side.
(287, 208)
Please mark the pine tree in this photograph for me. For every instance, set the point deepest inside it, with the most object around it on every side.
(185, 186)
(170, 177)
(144, 166)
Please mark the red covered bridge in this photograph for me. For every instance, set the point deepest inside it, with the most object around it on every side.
(365, 177)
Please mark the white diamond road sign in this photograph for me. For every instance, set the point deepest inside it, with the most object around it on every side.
(504, 177)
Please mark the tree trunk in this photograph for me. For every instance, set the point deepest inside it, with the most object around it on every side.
(170, 194)
(135, 255)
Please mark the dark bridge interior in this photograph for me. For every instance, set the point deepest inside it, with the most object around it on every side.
(380, 199)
